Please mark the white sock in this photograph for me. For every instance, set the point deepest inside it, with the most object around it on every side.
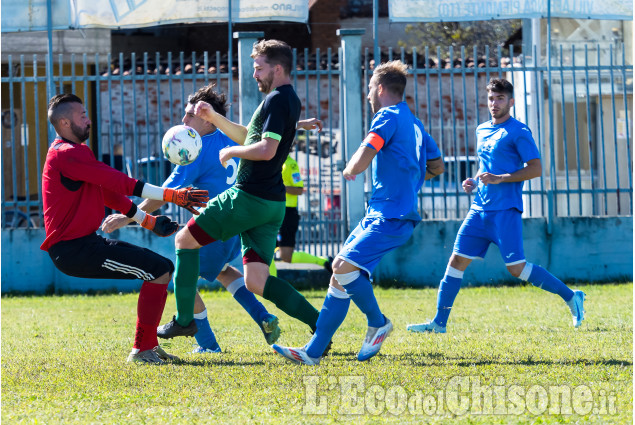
(236, 285)
(201, 315)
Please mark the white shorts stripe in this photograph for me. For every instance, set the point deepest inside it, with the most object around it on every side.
(124, 268)
(469, 257)
(127, 270)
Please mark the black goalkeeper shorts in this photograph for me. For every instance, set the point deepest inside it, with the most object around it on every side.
(96, 257)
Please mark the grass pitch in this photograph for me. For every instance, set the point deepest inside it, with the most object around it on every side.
(510, 356)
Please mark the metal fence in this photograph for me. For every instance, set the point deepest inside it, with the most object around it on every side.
(133, 100)
(578, 107)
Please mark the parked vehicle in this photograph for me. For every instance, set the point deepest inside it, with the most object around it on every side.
(443, 196)
(323, 143)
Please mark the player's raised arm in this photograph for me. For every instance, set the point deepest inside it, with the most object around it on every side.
(233, 130)
(186, 197)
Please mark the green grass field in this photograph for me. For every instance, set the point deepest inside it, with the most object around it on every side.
(510, 356)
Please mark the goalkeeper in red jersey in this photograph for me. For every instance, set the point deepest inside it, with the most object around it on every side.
(75, 188)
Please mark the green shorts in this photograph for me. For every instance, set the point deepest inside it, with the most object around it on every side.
(235, 212)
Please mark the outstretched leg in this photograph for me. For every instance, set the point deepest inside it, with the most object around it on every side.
(541, 278)
(448, 290)
(278, 291)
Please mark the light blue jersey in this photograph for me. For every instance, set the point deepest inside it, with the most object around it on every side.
(207, 173)
(502, 148)
(399, 168)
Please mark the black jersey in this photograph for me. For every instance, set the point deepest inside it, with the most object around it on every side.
(276, 117)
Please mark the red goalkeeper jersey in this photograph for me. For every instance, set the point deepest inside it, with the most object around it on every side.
(76, 187)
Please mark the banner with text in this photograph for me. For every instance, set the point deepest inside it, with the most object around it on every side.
(73, 14)
(475, 10)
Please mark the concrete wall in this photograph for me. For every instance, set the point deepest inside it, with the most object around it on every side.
(580, 249)
(585, 249)
(26, 268)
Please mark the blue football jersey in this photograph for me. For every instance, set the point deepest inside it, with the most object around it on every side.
(502, 148)
(206, 172)
(399, 168)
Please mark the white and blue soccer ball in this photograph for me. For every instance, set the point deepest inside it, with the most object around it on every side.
(181, 145)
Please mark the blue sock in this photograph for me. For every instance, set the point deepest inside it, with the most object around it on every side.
(205, 336)
(361, 292)
(331, 317)
(542, 279)
(448, 288)
(247, 300)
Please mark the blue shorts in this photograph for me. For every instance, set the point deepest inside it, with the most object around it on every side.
(480, 228)
(373, 238)
(215, 255)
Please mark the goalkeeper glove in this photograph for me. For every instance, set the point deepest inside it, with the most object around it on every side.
(187, 198)
(161, 225)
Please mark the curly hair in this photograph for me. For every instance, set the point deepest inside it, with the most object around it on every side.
(217, 100)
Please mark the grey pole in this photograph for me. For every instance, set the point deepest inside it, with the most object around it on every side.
(249, 94)
(230, 60)
(352, 131)
(50, 85)
(551, 195)
(376, 33)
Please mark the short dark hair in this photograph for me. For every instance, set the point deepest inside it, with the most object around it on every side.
(276, 52)
(501, 85)
(392, 76)
(58, 107)
(217, 100)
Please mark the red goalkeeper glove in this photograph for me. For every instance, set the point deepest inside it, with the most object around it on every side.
(187, 198)
(160, 225)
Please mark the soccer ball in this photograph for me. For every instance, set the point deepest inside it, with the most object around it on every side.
(181, 145)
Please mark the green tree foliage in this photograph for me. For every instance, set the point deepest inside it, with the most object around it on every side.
(492, 33)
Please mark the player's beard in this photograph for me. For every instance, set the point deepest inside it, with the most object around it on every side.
(81, 134)
(502, 111)
(374, 104)
(266, 83)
